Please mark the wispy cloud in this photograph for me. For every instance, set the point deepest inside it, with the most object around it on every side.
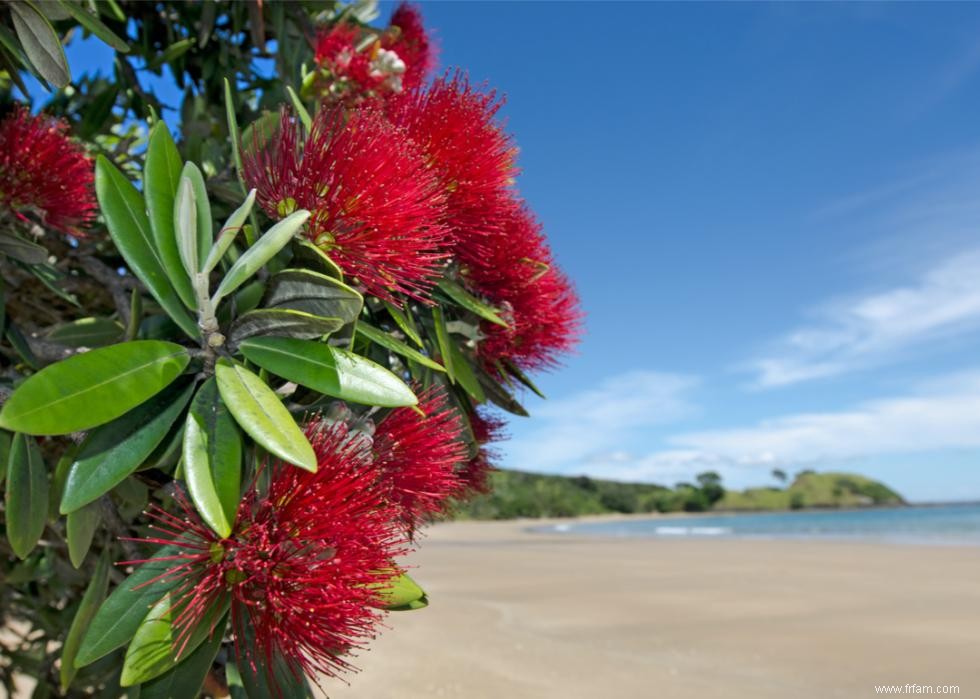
(568, 432)
(862, 331)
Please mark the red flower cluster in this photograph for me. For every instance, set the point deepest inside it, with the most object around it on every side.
(419, 456)
(376, 207)
(302, 565)
(359, 65)
(44, 174)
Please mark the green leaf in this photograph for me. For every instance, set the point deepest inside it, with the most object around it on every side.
(465, 374)
(185, 226)
(91, 389)
(23, 250)
(202, 209)
(171, 53)
(236, 145)
(213, 459)
(400, 592)
(87, 332)
(95, 26)
(122, 207)
(187, 677)
(41, 43)
(304, 116)
(309, 254)
(20, 345)
(470, 302)
(264, 250)
(161, 178)
(94, 594)
(114, 451)
(5, 440)
(329, 370)
(444, 343)
(26, 496)
(404, 322)
(120, 615)
(516, 372)
(265, 682)
(158, 646)
(395, 345)
(312, 292)
(499, 395)
(228, 233)
(259, 412)
(80, 528)
(281, 322)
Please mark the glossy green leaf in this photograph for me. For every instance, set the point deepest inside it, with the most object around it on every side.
(5, 442)
(158, 646)
(94, 594)
(228, 232)
(80, 527)
(259, 412)
(171, 53)
(395, 345)
(300, 108)
(123, 611)
(212, 454)
(470, 302)
(265, 248)
(122, 207)
(400, 592)
(87, 332)
(94, 25)
(41, 43)
(26, 497)
(329, 370)
(187, 677)
(91, 389)
(115, 450)
(161, 178)
(312, 292)
(202, 210)
(185, 226)
(310, 255)
(281, 322)
(20, 345)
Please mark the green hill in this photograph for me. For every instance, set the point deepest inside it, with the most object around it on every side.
(812, 490)
(522, 494)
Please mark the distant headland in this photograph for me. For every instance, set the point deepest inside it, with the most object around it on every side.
(523, 494)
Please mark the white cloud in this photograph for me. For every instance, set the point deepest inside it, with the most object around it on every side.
(598, 421)
(941, 415)
(868, 330)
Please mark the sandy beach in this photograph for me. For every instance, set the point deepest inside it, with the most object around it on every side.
(516, 615)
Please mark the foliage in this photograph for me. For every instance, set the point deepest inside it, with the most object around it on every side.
(249, 341)
(520, 494)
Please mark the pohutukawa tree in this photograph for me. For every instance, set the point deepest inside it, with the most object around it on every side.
(252, 342)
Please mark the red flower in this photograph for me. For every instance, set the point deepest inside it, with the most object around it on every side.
(516, 270)
(377, 209)
(356, 65)
(42, 172)
(419, 455)
(412, 44)
(457, 128)
(474, 476)
(302, 563)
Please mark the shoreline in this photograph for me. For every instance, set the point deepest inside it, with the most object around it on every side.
(528, 615)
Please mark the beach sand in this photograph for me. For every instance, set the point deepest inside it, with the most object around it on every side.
(516, 615)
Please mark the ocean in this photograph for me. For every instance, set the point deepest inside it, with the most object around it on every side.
(950, 525)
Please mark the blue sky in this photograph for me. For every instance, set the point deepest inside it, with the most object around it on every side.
(771, 214)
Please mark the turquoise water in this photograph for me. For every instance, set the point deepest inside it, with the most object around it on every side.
(941, 525)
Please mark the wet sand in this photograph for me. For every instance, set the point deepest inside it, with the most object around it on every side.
(515, 615)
